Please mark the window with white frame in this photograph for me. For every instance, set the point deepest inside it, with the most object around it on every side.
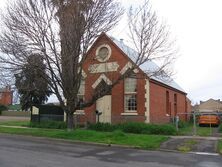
(130, 99)
(80, 96)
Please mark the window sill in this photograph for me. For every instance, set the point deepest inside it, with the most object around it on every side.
(129, 113)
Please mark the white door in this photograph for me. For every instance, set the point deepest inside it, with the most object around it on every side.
(103, 105)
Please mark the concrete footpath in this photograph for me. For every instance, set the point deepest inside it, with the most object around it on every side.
(13, 118)
(191, 144)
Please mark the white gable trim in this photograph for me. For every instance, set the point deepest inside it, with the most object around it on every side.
(128, 65)
(101, 77)
(147, 102)
(84, 74)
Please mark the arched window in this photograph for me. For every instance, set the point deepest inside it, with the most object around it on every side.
(168, 102)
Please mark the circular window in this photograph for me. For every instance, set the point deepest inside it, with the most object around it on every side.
(103, 53)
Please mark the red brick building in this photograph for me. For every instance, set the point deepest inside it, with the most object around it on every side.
(138, 98)
(6, 96)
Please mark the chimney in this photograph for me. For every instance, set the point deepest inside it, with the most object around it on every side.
(121, 40)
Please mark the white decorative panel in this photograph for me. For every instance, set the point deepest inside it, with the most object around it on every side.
(102, 77)
(104, 67)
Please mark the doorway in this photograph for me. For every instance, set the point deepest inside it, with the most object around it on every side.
(103, 105)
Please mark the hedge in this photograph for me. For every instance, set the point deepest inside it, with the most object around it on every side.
(2, 108)
(137, 128)
(220, 128)
(49, 125)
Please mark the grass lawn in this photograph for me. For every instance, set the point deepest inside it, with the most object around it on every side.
(15, 123)
(201, 131)
(117, 137)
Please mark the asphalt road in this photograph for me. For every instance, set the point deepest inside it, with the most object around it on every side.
(19, 151)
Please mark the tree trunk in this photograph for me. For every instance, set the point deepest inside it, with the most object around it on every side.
(70, 121)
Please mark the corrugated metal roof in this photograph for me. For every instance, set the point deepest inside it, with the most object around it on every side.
(148, 67)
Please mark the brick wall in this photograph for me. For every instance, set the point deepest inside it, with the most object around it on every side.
(158, 109)
(117, 101)
(158, 104)
(6, 97)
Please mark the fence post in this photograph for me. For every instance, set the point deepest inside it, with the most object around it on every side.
(177, 122)
(194, 125)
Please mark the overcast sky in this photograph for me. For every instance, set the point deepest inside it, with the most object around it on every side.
(197, 26)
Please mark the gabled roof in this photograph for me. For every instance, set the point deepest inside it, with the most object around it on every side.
(211, 100)
(149, 66)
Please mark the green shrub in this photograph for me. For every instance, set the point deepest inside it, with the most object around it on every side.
(49, 125)
(133, 127)
(105, 127)
(220, 128)
(142, 128)
(183, 124)
(137, 128)
(2, 108)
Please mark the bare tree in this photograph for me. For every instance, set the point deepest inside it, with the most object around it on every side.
(62, 32)
(151, 39)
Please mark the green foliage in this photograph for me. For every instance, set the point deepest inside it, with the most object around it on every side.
(49, 125)
(15, 123)
(116, 137)
(2, 108)
(200, 131)
(183, 124)
(137, 128)
(220, 128)
(31, 82)
(105, 127)
(15, 107)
